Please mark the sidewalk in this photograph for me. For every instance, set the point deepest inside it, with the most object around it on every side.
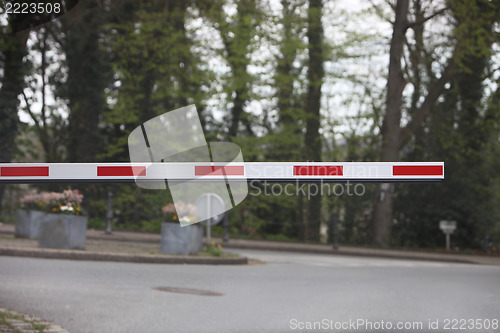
(363, 251)
(141, 247)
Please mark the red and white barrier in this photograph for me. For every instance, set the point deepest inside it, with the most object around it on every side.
(249, 171)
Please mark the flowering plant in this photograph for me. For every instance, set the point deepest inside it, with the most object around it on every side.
(214, 249)
(188, 211)
(67, 202)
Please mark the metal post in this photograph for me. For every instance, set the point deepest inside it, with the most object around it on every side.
(209, 220)
(335, 230)
(226, 227)
(447, 241)
(109, 213)
(209, 236)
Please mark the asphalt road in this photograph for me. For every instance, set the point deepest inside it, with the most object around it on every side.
(289, 292)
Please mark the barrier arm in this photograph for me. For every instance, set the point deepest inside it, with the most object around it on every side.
(234, 171)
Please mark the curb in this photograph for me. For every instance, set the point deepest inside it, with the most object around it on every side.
(403, 256)
(117, 257)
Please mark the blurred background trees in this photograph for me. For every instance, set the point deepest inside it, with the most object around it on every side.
(287, 80)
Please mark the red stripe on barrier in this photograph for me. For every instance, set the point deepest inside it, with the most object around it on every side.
(417, 170)
(320, 170)
(24, 172)
(120, 171)
(228, 170)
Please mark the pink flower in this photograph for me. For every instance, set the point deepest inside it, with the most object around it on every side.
(169, 209)
(191, 210)
(67, 198)
(180, 208)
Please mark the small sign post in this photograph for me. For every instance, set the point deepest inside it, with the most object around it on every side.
(109, 213)
(205, 205)
(448, 227)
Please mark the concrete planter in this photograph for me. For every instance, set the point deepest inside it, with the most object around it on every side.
(27, 223)
(59, 231)
(181, 240)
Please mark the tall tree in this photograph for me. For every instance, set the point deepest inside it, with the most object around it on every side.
(87, 78)
(236, 33)
(315, 74)
(394, 137)
(49, 123)
(13, 48)
(288, 139)
(460, 131)
(156, 69)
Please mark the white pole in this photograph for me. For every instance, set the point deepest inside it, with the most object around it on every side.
(209, 213)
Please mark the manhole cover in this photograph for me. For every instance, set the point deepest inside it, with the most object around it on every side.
(188, 291)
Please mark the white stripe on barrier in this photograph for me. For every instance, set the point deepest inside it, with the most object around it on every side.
(197, 171)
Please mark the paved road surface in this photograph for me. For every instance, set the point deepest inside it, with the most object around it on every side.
(288, 292)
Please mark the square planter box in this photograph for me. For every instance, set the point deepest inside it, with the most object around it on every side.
(181, 240)
(59, 231)
(27, 223)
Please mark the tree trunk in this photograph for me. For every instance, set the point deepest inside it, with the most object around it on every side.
(393, 136)
(237, 110)
(237, 48)
(86, 81)
(315, 78)
(288, 143)
(189, 83)
(14, 45)
(382, 214)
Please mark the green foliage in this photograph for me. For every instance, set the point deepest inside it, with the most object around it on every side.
(156, 71)
(153, 225)
(96, 223)
(473, 29)
(135, 206)
(279, 237)
(7, 219)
